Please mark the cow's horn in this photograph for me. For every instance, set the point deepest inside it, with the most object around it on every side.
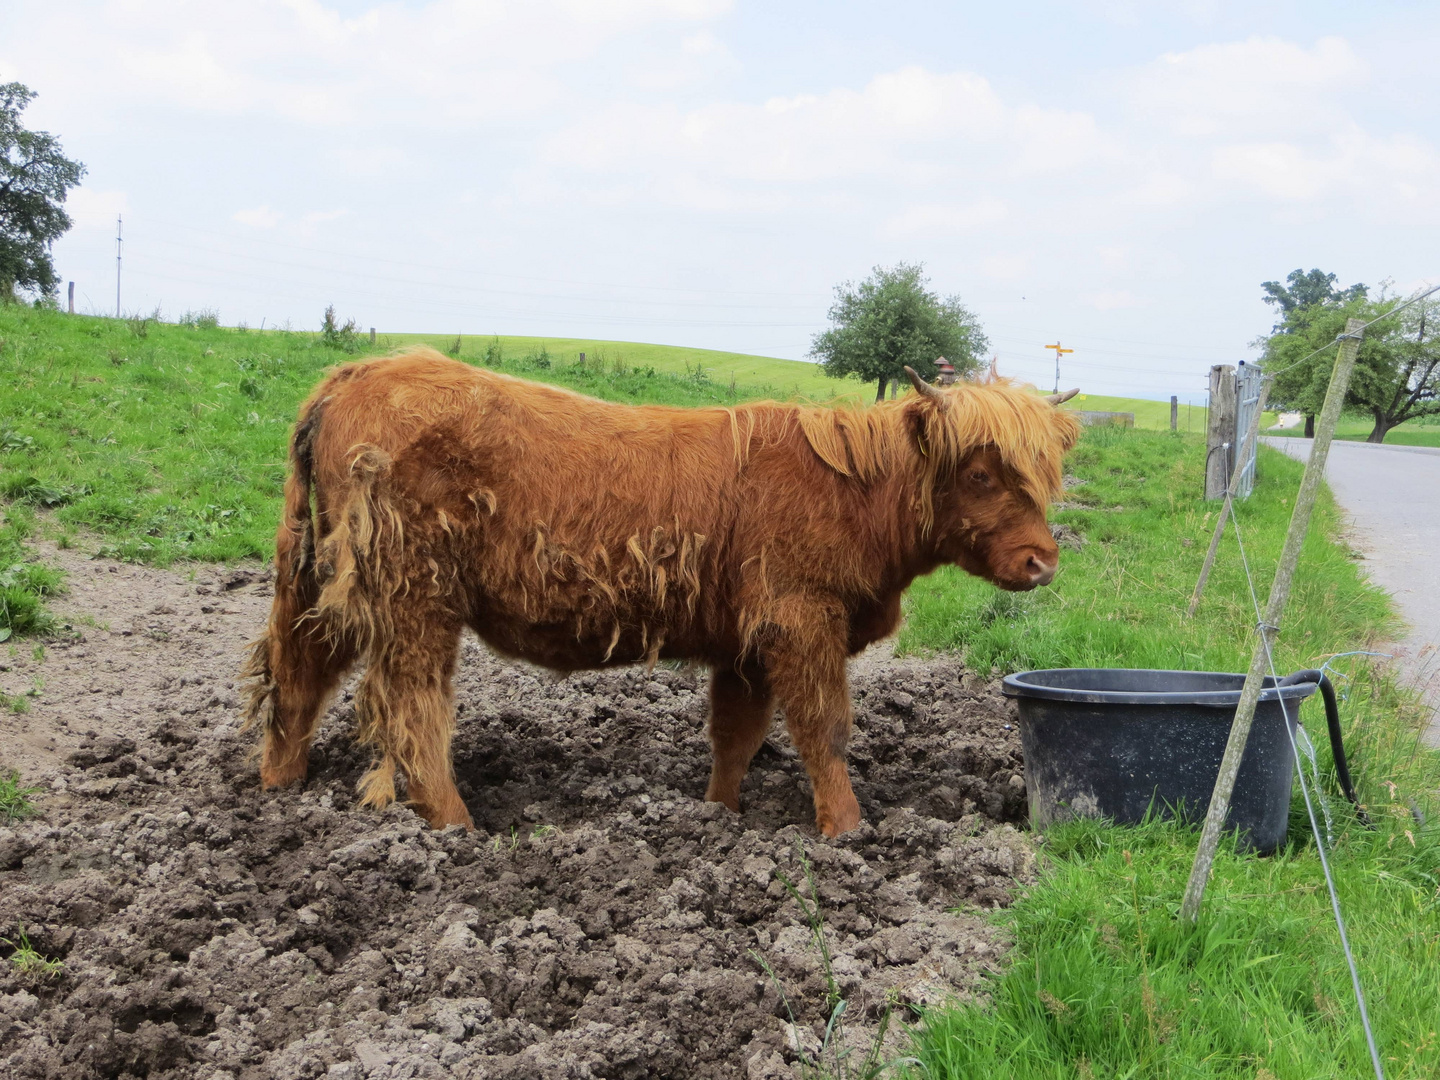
(924, 387)
(1060, 399)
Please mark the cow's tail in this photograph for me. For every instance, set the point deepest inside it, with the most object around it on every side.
(277, 654)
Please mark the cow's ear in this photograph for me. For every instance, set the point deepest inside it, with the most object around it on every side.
(921, 416)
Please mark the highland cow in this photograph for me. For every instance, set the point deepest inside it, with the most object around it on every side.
(767, 541)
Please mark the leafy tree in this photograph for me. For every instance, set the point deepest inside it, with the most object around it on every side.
(1304, 290)
(1302, 293)
(34, 179)
(891, 320)
(1397, 372)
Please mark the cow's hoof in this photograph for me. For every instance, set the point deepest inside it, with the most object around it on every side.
(838, 821)
(725, 799)
(284, 776)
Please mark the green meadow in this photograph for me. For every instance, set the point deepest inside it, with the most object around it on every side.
(1353, 428)
(156, 443)
(782, 379)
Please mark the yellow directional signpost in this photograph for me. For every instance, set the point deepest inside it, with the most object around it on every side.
(1058, 352)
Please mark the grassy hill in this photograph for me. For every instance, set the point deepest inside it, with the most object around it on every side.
(784, 379)
(170, 441)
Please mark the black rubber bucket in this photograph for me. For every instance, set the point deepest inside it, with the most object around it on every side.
(1121, 743)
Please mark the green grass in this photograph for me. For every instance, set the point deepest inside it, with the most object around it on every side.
(786, 379)
(24, 584)
(1107, 982)
(28, 962)
(1424, 432)
(15, 804)
(170, 441)
(1154, 415)
(1103, 980)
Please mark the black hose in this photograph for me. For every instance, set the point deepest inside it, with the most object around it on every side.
(1337, 744)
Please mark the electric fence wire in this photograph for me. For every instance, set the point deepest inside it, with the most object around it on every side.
(1261, 627)
(1341, 337)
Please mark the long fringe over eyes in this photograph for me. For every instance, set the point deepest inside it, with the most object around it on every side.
(1031, 435)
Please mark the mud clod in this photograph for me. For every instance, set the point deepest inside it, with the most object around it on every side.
(601, 921)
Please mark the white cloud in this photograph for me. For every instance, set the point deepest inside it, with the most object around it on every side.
(261, 217)
(435, 64)
(909, 127)
(946, 219)
(1264, 84)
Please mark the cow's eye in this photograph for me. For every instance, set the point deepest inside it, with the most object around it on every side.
(980, 476)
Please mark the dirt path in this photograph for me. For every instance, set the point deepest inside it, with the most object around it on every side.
(601, 922)
(1392, 495)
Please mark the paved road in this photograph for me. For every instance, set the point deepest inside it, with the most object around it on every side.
(1392, 494)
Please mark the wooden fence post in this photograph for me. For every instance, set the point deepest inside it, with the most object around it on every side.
(372, 335)
(72, 298)
(1246, 444)
(1220, 432)
(1174, 413)
(1274, 611)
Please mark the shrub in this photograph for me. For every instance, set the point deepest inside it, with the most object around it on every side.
(335, 336)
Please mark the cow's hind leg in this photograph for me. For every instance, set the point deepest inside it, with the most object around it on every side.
(406, 710)
(741, 707)
(294, 669)
(806, 663)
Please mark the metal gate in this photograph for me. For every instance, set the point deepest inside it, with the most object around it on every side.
(1248, 380)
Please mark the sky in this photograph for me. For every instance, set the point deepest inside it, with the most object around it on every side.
(1113, 175)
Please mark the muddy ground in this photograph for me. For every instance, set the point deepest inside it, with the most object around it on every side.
(601, 921)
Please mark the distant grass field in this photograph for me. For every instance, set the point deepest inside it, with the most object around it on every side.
(787, 379)
(1148, 414)
(1153, 415)
(1357, 429)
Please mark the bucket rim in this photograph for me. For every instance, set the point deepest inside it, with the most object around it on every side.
(1022, 684)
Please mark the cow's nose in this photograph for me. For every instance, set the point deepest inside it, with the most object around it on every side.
(1041, 572)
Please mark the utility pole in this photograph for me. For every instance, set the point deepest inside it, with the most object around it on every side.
(118, 234)
(1058, 351)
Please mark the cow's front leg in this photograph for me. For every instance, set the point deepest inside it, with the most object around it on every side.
(806, 663)
(741, 708)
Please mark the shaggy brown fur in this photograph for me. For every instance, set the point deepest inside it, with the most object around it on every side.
(769, 541)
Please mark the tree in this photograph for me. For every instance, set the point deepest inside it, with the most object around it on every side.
(34, 179)
(1306, 290)
(1397, 372)
(891, 320)
(1303, 292)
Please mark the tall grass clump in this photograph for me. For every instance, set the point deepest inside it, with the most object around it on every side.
(24, 583)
